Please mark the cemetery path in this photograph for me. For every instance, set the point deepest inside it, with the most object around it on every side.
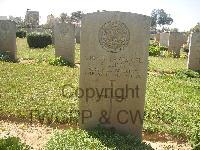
(37, 135)
(165, 142)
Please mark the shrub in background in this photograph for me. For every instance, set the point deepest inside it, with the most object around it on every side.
(12, 143)
(186, 48)
(187, 73)
(154, 43)
(21, 34)
(39, 40)
(154, 49)
(166, 54)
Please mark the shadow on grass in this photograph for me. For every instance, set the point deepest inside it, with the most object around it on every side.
(97, 139)
(112, 140)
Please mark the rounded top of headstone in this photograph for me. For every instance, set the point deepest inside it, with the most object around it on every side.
(6, 24)
(117, 12)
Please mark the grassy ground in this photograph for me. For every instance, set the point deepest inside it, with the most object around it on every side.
(39, 55)
(98, 139)
(168, 65)
(172, 98)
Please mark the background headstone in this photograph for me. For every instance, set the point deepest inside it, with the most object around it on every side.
(176, 41)
(8, 38)
(3, 18)
(114, 57)
(164, 39)
(194, 52)
(65, 41)
(157, 37)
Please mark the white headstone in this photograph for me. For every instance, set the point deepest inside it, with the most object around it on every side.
(176, 41)
(194, 52)
(65, 41)
(164, 39)
(8, 38)
(113, 71)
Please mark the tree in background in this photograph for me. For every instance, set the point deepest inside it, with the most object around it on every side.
(18, 20)
(161, 18)
(64, 17)
(174, 30)
(196, 28)
(167, 29)
(76, 17)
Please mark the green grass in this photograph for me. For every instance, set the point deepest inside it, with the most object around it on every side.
(27, 87)
(172, 97)
(169, 65)
(173, 106)
(39, 55)
(12, 143)
(98, 139)
(77, 54)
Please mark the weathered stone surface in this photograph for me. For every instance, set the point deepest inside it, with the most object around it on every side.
(113, 71)
(176, 41)
(194, 52)
(78, 34)
(152, 36)
(3, 18)
(157, 37)
(65, 41)
(8, 38)
(164, 39)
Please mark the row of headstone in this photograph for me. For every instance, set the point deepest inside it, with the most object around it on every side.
(7, 32)
(113, 71)
(114, 57)
(64, 40)
(174, 41)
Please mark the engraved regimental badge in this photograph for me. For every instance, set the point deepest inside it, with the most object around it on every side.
(114, 36)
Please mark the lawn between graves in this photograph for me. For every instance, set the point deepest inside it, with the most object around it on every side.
(24, 53)
(34, 91)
